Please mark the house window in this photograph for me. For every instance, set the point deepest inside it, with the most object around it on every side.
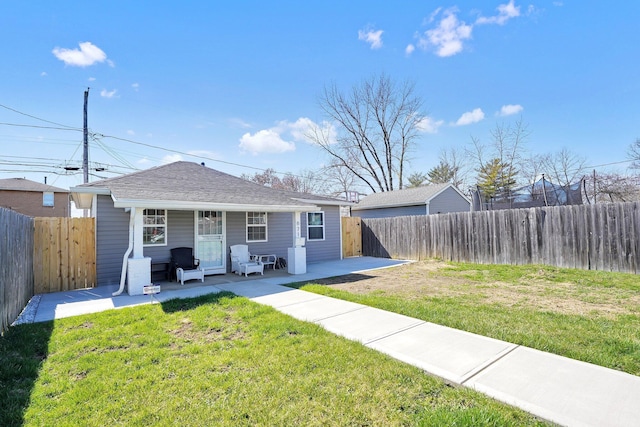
(154, 227)
(47, 198)
(315, 226)
(256, 226)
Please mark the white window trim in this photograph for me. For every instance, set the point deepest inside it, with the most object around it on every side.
(166, 236)
(265, 225)
(324, 234)
(48, 199)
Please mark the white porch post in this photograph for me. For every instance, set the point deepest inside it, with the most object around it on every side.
(137, 233)
(138, 267)
(297, 255)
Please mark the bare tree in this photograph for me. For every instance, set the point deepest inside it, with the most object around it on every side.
(564, 167)
(307, 181)
(377, 123)
(532, 169)
(338, 179)
(633, 153)
(506, 149)
(614, 187)
(457, 161)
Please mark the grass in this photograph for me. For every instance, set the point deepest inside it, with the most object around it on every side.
(584, 315)
(218, 360)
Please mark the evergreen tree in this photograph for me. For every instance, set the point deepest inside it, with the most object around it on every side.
(416, 179)
(496, 179)
(443, 173)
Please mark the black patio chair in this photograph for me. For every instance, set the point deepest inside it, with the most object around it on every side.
(182, 258)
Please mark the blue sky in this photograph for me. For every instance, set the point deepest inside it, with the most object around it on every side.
(234, 84)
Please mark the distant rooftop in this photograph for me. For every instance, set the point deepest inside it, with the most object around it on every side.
(404, 197)
(23, 184)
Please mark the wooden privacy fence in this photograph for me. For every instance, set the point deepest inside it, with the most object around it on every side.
(64, 254)
(16, 265)
(593, 237)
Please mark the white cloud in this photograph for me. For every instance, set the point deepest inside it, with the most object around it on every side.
(238, 122)
(470, 117)
(108, 94)
(409, 49)
(283, 136)
(131, 132)
(170, 158)
(505, 12)
(429, 125)
(43, 74)
(135, 86)
(448, 37)
(88, 54)
(510, 109)
(92, 79)
(304, 128)
(374, 38)
(265, 141)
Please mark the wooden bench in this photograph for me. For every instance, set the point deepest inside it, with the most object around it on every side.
(160, 268)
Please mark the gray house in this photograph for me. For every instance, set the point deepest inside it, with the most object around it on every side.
(140, 217)
(425, 200)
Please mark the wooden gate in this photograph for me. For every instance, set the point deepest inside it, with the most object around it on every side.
(351, 237)
(64, 254)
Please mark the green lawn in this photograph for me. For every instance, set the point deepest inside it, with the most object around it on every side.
(218, 360)
(584, 315)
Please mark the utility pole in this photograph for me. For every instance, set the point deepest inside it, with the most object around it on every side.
(85, 140)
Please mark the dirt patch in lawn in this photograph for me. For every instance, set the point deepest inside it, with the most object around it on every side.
(426, 279)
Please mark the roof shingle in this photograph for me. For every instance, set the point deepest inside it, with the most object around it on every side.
(22, 184)
(193, 182)
(404, 197)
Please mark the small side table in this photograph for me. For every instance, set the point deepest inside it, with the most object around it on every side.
(269, 259)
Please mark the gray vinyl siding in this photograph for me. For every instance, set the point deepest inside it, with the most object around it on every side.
(112, 240)
(391, 212)
(449, 201)
(279, 234)
(331, 247)
(180, 232)
(112, 233)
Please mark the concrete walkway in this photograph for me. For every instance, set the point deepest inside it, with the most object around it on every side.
(555, 388)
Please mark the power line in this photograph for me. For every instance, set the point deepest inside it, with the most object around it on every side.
(37, 118)
(39, 127)
(169, 150)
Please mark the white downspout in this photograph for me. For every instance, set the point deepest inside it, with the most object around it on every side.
(123, 274)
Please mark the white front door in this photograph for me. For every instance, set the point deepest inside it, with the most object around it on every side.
(210, 241)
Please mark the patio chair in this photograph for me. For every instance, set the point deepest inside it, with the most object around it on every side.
(182, 258)
(243, 263)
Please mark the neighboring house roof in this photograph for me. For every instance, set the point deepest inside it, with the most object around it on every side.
(405, 197)
(187, 185)
(22, 184)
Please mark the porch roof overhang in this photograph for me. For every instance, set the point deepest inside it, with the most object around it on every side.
(83, 198)
(211, 206)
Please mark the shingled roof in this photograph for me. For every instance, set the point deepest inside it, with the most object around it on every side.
(23, 184)
(191, 184)
(405, 197)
